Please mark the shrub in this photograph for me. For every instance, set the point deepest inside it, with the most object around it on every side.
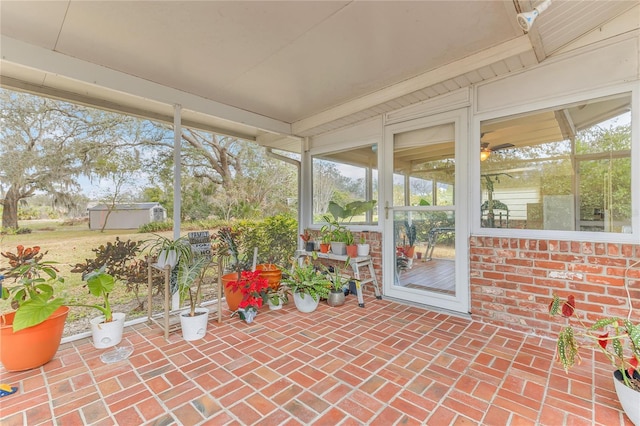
(275, 237)
(120, 260)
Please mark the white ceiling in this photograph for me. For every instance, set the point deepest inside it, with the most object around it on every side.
(291, 67)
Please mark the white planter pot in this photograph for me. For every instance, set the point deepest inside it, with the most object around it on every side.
(363, 249)
(167, 257)
(305, 304)
(629, 398)
(194, 328)
(107, 334)
(274, 307)
(338, 248)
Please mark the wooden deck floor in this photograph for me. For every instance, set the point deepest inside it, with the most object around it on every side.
(431, 275)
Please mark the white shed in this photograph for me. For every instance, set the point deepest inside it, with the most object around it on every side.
(126, 216)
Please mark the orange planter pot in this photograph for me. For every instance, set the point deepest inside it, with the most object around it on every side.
(233, 297)
(324, 248)
(352, 250)
(271, 272)
(33, 346)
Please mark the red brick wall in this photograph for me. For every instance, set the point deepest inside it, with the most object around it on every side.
(513, 280)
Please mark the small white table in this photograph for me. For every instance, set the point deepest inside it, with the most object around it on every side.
(356, 263)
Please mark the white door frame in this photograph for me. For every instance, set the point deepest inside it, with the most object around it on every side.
(460, 301)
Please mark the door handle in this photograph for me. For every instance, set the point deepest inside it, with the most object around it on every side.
(386, 210)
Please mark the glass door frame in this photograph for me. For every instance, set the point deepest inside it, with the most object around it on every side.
(460, 302)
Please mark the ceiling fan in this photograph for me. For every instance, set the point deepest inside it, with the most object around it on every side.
(486, 150)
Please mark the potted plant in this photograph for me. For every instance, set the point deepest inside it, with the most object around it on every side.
(307, 285)
(167, 250)
(306, 237)
(106, 329)
(30, 335)
(336, 234)
(336, 294)
(235, 263)
(410, 235)
(271, 272)
(193, 321)
(363, 248)
(253, 287)
(351, 246)
(618, 339)
(278, 296)
(325, 243)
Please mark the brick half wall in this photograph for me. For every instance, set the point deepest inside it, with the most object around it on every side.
(513, 280)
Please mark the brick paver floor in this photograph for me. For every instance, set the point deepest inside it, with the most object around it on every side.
(386, 364)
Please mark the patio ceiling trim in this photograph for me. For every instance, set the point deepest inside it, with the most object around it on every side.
(38, 58)
(473, 62)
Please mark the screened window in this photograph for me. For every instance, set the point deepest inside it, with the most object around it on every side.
(343, 177)
(568, 168)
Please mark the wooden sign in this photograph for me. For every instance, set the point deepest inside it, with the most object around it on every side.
(200, 243)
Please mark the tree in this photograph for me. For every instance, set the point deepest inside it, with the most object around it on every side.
(235, 176)
(50, 144)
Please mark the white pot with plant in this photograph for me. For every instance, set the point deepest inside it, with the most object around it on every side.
(194, 320)
(617, 338)
(107, 328)
(363, 247)
(277, 297)
(168, 251)
(307, 285)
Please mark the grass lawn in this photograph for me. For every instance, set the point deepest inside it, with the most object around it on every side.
(68, 245)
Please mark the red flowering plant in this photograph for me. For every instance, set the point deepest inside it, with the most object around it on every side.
(253, 287)
(618, 339)
(306, 236)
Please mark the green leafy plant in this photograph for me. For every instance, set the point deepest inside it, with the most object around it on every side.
(336, 276)
(227, 247)
(33, 293)
(306, 279)
(332, 230)
(100, 284)
(278, 295)
(350, 210)
(618, 339)
(160, 244)
(191, 271)
(410, 233)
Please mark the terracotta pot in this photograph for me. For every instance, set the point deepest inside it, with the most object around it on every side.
(233, 297)
(324, 248)
(352, 250)
(271, 272)
(31, 347)
(409, 251)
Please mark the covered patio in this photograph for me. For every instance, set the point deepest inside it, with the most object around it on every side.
(392, 88)
(387, 364)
